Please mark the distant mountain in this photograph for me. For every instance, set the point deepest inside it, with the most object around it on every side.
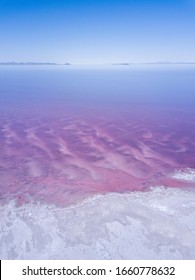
(31, 63)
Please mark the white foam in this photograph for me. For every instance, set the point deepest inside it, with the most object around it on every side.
(159, 224)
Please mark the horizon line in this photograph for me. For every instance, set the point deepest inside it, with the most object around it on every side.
(106, 63)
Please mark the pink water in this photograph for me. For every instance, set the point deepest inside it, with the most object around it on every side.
(61, 156)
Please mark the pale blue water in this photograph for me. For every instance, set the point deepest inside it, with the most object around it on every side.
(116, 85)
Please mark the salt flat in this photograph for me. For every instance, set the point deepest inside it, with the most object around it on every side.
(158, 224)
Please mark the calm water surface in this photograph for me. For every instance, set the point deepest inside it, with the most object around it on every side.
(69, 132)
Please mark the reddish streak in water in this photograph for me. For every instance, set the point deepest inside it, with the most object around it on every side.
(64, 158)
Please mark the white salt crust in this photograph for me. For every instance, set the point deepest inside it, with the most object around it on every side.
(159, 224)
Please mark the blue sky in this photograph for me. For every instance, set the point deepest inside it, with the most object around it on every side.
(97, 31)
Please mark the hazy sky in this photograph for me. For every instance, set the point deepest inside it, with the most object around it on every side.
(97, 31)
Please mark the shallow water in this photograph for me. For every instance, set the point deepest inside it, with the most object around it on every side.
(68, 134)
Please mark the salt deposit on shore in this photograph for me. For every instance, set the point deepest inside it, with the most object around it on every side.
(158, 224)
(185, 175)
